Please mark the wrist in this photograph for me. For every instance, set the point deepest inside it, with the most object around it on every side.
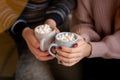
(90, 50)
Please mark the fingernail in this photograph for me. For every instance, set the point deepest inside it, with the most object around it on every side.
(60, 47)
(59, 62)
(75, 45)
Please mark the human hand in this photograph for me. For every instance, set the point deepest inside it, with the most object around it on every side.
(33, 44)
(71, 56)
(52, 23)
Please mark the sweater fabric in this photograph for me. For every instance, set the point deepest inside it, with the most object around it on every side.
(98, 21)
(37, 11)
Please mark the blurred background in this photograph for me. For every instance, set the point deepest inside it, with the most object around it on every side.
(8, 57)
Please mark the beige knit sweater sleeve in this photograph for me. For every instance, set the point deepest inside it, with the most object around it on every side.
(107, 46)
(9, 12)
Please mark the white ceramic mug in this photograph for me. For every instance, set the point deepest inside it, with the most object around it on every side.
(45, 39)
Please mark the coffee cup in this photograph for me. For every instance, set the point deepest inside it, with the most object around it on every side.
(45, 34)
(67, 39)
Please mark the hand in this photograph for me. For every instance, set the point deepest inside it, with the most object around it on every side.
(52, 23)
(33, 44)
(71, 56)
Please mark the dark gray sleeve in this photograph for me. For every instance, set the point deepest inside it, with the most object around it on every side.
(60, 9)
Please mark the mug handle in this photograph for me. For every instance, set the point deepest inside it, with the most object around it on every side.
(50, 47)
(42, 45)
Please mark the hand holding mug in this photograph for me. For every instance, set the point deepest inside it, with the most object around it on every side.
(66, 39)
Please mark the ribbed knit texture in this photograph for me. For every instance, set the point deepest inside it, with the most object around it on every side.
(37, 11)
(99, 22)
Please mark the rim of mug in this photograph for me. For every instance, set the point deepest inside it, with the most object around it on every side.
(76, 36)
(37, 27)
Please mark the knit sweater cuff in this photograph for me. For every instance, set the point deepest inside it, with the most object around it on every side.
(18, 27)
(99, 49)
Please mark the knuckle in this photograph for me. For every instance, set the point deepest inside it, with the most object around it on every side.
(37, 58)
(69, 56)
(69, 65)
(69, 61)
(71, 50)
(35, 43)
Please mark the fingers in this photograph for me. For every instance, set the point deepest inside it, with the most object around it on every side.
(68, 59)
(69, 62)
(57, 31)
(30, 38)
(66, 54)
(76, 47)
(44, 58)
(71, 56)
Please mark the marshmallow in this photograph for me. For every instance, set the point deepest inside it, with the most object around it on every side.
(66, 37)
(43, 29)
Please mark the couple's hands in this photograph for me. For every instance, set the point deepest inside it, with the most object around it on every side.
(67, 56)
(71, 56)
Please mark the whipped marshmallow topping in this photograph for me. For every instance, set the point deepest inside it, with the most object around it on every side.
(66, 37)
(42, 29)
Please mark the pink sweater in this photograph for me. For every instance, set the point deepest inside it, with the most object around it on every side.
(98, 21)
